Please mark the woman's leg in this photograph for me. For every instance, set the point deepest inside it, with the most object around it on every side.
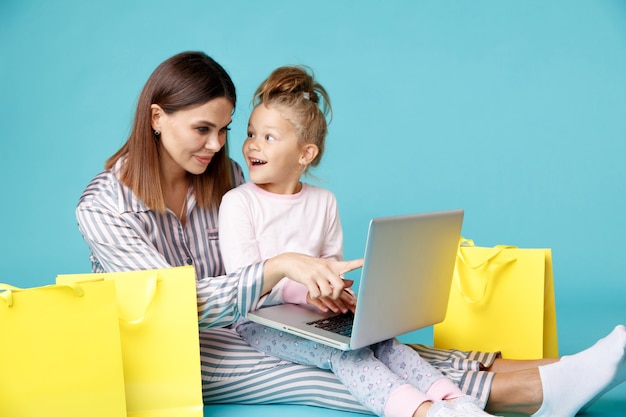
(515, 392)
(561, 387)
(516, 387)
(501, 365)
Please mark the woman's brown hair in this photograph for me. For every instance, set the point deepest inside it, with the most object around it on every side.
(184, 80)
(308, 103)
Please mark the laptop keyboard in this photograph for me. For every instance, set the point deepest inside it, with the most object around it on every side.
(340, 324)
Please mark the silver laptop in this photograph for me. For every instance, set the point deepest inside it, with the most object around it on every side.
(404, 285)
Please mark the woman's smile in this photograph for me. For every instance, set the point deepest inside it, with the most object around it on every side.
(204, 159)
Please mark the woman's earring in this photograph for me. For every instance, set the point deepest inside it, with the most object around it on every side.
(157, 133)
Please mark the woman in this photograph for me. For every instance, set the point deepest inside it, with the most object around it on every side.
(156, 205)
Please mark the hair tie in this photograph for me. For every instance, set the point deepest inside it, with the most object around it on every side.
(306, 95)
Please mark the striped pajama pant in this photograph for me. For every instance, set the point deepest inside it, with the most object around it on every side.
(234, 372)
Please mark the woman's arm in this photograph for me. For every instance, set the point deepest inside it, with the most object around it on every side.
(222, 300)
(120, 242)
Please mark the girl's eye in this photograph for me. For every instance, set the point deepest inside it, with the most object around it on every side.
(250, 135)
(269, 138)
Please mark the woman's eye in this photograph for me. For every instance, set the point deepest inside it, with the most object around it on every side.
(202, 129)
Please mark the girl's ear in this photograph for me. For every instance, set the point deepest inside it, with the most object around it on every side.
(309, 153)
(156, 113)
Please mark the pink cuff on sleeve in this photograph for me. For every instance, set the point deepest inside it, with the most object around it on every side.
(403, 401)
(444, 389)
(294, 292)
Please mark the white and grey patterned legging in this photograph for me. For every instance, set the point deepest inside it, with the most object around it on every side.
(370, 373)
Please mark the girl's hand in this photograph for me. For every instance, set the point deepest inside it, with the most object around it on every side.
(321, 277)
(346, 301)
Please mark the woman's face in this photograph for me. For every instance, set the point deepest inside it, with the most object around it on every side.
(191, 137)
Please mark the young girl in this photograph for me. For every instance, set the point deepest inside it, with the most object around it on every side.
(276, 213)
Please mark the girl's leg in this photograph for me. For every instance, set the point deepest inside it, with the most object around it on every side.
(466, 369)
(285, 345)
(377, 387)
(408, 364)
(393, 394)
(369, 380)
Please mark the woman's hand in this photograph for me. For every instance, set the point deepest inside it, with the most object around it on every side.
(322, 277)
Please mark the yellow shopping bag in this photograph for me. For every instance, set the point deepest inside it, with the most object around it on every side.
(501, 299)
(61, 353)
(160, 341)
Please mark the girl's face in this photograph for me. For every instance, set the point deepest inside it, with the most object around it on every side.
(189, 138)
(273, 151)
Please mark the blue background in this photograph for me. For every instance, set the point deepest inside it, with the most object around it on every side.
(514, 111)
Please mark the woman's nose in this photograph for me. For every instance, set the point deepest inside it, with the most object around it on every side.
(213, 143)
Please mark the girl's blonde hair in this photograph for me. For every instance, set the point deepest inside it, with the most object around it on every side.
(307, 102)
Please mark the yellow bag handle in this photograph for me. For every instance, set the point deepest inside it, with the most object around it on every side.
(483, 263)
(495, 251)
(6, 290)
(139, 310)
(149, 294)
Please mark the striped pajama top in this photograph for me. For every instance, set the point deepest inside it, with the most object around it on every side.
(124, 235)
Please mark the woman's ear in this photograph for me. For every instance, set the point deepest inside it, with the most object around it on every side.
(309, 153)
(156, 113)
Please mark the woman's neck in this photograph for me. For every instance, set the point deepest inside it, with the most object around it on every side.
(175, 185)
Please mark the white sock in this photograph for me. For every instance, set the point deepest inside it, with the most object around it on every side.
(459, 407)
(577, 380)
(468, 406)
(443, 409)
